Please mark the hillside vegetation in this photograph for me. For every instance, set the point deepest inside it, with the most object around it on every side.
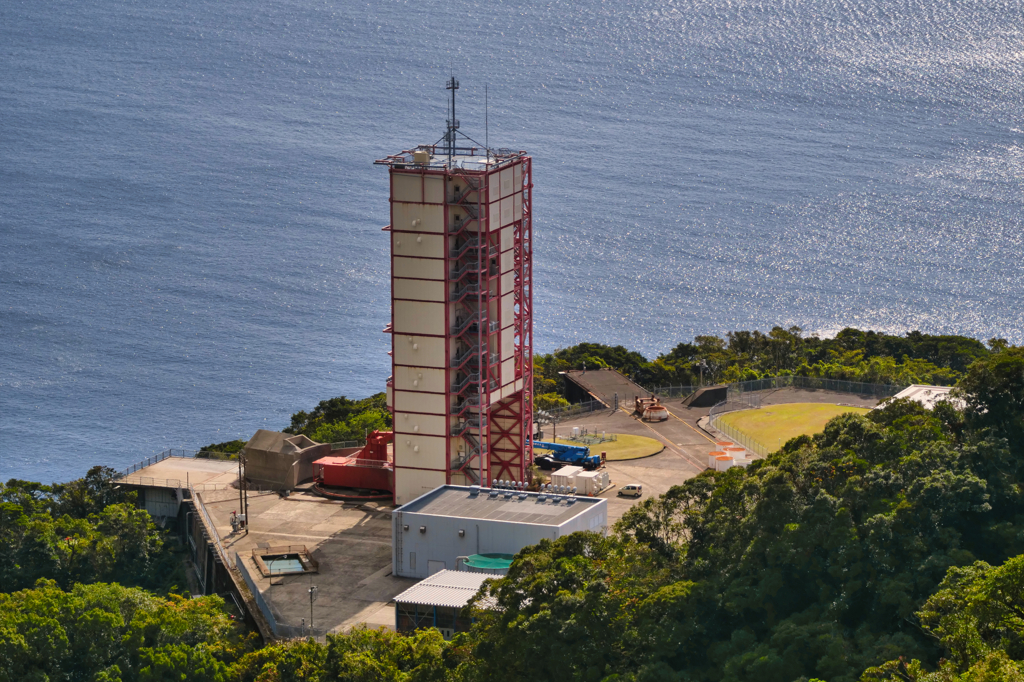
(888, 547)
(853, 355)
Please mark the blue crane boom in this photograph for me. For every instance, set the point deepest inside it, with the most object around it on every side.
(571, 454)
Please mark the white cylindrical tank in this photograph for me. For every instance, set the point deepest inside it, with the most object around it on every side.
(713, 458)
(736, 453)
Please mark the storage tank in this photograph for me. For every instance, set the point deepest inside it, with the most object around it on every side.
(723, 444)
(723, 462)
(738, 453)
(713, 457)
(656, 413)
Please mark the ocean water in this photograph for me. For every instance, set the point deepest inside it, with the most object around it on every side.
(190, 244)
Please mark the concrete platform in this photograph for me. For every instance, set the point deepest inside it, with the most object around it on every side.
(603, 384)
(179, 472)
(352, 544)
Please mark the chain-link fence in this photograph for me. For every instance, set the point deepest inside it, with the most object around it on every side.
(673, 391)
(749, 395)
(561, 414)
(743, 402)
(878, 391)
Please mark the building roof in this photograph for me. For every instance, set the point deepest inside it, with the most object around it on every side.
(927, 395)
(489, 504)
(275, 441)
(445, 588)
(466, 158)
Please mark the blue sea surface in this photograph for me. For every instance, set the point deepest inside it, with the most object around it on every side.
(190, 244)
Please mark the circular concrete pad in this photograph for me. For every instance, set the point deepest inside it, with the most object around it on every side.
(626, 447)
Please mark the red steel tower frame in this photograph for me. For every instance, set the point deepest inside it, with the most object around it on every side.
(461, 389)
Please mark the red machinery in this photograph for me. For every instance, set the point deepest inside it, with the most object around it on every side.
(369, 468)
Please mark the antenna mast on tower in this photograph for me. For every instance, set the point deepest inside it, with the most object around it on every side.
(453, 123)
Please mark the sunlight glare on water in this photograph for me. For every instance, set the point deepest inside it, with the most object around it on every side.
(190, 218)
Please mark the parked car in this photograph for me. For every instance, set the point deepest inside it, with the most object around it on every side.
(631, 490)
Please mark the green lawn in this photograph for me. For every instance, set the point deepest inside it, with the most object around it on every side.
(773, 425)
(626, 447)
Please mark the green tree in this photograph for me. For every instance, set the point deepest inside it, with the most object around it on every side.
(106, 631)
(993, 391)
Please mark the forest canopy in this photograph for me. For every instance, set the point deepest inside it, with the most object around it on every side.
(853, 355)
(888, 547)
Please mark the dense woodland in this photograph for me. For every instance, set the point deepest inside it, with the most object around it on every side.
(889, 547)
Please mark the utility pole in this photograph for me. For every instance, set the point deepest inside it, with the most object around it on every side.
(312, 598)
(243, 489)
(241, 500)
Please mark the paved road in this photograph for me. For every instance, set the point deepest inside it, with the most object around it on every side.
(686, 445)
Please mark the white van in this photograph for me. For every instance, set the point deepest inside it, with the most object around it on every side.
(631, 490)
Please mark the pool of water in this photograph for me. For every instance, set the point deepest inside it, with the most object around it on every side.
(283, 564)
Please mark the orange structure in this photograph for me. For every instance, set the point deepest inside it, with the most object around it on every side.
(370, 468)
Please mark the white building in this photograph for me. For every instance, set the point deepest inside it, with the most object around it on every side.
(928, 395)
(438, 601)
(433, 531)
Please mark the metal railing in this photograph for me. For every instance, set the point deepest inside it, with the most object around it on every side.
(261, 603)
(211, 529)
(348, 444)
(471, 380)
(470, 404)
(458, 226)
(472, 267)
(472, 289)
(469, 425)
(460, 360)
(461, 326)
(175, 452)
(151, 482)
(288, 549)
(472, 244)
(166, 454)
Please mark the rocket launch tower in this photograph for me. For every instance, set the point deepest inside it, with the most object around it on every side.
(461, 388)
